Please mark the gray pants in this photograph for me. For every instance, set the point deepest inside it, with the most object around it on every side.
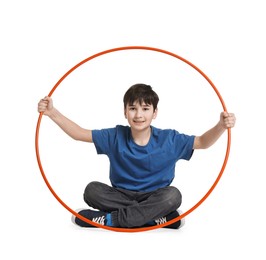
(131, 208)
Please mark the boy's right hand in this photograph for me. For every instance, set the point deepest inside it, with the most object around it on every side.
(45, 106)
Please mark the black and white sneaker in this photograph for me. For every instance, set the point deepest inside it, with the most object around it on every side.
(178, 224)
(98, 217)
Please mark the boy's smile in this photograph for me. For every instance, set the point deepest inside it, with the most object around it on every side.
(140, 116)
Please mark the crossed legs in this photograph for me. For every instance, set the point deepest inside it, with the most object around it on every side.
(131, 208)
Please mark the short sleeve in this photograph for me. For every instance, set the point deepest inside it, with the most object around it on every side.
(103, 139)
(183, 145)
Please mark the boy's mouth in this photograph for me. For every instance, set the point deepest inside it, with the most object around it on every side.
(138, 121)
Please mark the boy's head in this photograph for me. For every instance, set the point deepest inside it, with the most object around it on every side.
(141, 93)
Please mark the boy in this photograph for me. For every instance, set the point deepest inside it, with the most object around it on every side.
(142, 162)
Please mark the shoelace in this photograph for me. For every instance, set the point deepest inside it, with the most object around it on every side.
(99, 220)
(160, 221)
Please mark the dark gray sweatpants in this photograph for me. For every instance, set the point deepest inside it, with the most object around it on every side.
(131, 208)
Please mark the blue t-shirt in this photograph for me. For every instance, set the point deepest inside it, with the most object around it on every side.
(142, 168)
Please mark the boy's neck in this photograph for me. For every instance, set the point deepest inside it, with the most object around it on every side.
(141, 137)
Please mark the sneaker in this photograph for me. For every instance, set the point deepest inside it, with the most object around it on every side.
(98, 217)
(178, 224)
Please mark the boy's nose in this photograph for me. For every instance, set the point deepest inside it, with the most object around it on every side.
(138, 113)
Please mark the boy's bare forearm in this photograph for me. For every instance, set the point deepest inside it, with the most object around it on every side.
(69, 127)
(211, 136)
(227, 120)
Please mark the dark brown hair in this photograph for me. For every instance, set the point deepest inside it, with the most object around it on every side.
(141, 93)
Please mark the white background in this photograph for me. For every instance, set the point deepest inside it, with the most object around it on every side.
(42, 40)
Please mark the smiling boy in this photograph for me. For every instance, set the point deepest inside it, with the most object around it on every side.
(142, 162)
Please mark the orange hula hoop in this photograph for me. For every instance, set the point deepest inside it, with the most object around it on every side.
(140, 228)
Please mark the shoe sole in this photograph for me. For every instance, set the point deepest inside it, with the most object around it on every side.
(182, 221)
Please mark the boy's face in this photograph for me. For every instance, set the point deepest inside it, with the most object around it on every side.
(139, 116)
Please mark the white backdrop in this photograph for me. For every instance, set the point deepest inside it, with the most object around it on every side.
(42, 40)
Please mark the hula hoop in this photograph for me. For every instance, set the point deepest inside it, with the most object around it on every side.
(140, 228)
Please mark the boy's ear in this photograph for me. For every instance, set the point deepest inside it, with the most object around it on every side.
(125, 114)
(155, 113)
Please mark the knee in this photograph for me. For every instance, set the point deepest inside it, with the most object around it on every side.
(91, 192)
(174, 198)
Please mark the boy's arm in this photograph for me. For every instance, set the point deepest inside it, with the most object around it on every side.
(227, 120)
(46, 107)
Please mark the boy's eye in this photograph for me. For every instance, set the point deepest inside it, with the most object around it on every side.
(132, 108)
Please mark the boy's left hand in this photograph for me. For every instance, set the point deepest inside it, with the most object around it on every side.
(227, 120)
